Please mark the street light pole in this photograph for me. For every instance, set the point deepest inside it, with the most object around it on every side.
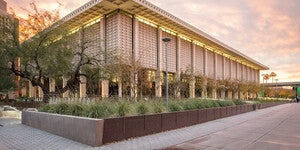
(167, 40)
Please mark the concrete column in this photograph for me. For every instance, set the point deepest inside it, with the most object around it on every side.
(31, 90)
(230, 69)
(214, 91)
(40, 91)
(158, 84)
(178, 65)
(158, 77)
(192, 88)
(192, 82)
(135, 38)
(235, 95)
(103, 39)
(135, 56)
(223, 68)
(82, 87)
(24, 92)
(223, 94)
(229, 95)
(133, 86)
(51, 85)
(215, 65)
(236, 73)
(241, 95)
(105, 88)
(204, 91)
(205, 73)
(65, 94)
(205, 62)
(242, 72)
(120, 91)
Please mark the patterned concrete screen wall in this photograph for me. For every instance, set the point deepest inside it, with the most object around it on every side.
(171, 53)
(148, 45)
(239, 71)
(125, 36)
(210, 64)
(233, 70)
(226, 68)
(219, 67)
(199, 60)
(185, 55)
(92, 35)
(112, 44)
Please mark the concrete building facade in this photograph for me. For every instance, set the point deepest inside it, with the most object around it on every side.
(134, 29)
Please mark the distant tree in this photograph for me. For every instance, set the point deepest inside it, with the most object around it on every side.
(272, 75)
(266, 77)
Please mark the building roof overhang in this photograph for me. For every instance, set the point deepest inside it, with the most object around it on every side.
(95, 9)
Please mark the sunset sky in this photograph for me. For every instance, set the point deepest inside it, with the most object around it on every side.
(265, 30)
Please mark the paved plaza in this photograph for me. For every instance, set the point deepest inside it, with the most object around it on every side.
(271, 128)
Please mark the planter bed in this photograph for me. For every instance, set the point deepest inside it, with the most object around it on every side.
(96, 132)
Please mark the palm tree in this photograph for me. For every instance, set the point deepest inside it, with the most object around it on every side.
(266, 77)
(272, 75)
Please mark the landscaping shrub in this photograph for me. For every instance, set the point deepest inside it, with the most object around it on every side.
(211, 103)
(142, 109)
(75, 109)
(44, 108)
(199, 104)
(238, 102)
(189, 105)
(97, 110)
(226, 103)
(60, 108)
(174, 106)
(123, 108)
(158, 107)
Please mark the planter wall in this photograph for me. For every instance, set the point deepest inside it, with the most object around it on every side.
(95, 132)
(84, 130)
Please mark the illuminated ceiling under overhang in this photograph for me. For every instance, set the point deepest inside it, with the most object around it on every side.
(145, 10)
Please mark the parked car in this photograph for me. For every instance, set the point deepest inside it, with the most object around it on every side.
(11, 112)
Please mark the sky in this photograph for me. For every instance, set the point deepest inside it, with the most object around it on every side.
(266, 30)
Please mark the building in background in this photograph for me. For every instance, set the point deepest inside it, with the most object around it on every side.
(135, 28)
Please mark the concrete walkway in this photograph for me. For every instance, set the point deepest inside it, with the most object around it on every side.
(272, 128)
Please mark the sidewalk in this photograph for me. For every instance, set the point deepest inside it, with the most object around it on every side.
(271, 128)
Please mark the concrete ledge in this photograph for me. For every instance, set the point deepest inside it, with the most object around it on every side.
(84, 130)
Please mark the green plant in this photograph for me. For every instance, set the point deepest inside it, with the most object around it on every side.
(158, 107)
(142, 109)
(226, 103)
(123, 108)
(189, 105)
(44, 108)
(211, 103)
(60, 108)
(96, 110)
(199, 104)
(238, 102)
(75, 109)
(174, 106)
